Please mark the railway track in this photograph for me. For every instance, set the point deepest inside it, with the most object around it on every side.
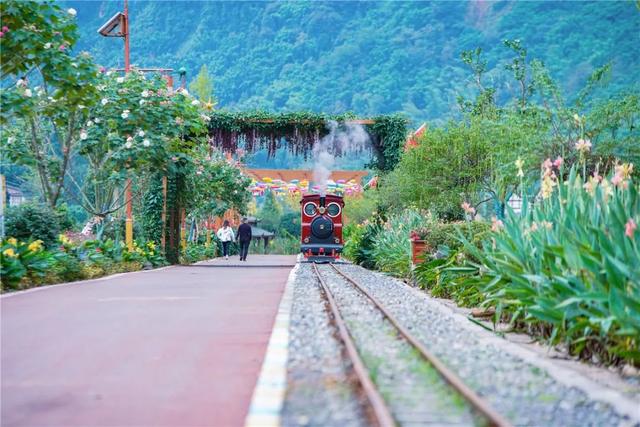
(386, 413)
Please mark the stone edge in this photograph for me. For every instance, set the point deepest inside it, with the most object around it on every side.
(97, 279)
(268, 395)
(621, 404)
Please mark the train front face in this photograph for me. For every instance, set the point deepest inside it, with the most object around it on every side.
(321, 227)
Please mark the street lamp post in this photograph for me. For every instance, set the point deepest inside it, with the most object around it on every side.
(118, 26)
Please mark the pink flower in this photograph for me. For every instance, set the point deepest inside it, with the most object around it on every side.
(62, 47)
(468, 209)
(496, 224)
(5, 29)
(1, 34)
(103, 70)
(547, 164)
(629, 228)
(617, 180)
(558, 162)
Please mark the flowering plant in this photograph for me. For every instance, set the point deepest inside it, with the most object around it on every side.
(18, 259)
(570, 263)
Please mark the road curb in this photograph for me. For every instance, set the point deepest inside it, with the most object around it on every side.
(80, 282)
(268, 396)
(621, 404)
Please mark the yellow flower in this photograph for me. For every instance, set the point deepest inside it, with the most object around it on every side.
(64, 239)
(624, 170)
(35, 246)
(12, 241)
(9, 252)
(519, 165)
(546, 188)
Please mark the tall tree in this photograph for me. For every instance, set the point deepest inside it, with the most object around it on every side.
(43, 119)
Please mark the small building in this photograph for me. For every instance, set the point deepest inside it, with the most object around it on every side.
(15, 196)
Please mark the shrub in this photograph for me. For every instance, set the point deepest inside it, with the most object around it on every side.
(290, 224)
(31, 221)
(20, 260)
(391, 248)
(449, 275)
(359, 242)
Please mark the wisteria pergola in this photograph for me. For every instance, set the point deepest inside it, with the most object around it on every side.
(256, 130)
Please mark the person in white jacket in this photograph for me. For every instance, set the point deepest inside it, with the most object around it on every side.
(226, 236)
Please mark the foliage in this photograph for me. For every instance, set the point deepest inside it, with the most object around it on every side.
(43, 120)
(570, 266)
(290, 222)
(151, 210)
(137, 127)
(260, 129)
(448, 166)
(368, 57)
(384, 245)
(361, 207)
(32, 221)
(474, 160)
(212, 185)
(445, 272)
(37, 38)
(445, 235)
(29, 263)
(18, 259)
(202, 87)
(270, 212)
(197, 252)
(359, 242)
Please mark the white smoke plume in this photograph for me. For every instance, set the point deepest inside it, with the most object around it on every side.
(342, 137)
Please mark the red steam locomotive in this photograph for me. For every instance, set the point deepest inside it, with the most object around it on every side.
(321, 227)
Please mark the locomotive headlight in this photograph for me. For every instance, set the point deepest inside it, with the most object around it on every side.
(310, 209)
(333, 210)
(337, 240)
(306, 240)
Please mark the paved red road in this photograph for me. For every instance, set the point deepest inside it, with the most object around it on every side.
(176, 347)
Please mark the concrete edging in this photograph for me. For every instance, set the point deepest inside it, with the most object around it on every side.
(79, 282)
(268, 396)
(618, 401)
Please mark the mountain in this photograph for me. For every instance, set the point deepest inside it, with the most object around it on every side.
(366, 57)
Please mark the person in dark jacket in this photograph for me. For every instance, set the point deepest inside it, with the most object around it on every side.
(244, 237)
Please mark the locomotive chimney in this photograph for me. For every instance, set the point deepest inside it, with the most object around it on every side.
(322, 201)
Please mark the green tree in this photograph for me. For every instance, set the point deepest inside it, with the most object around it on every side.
(202, 87)
(270, 213)
(43, 119)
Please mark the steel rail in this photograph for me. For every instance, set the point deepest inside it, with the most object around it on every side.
(481, 405)
(379, 408)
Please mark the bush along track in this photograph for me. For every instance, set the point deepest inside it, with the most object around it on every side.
(565, 269)
(31, 264)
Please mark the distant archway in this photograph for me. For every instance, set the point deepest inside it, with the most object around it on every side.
(250, 131)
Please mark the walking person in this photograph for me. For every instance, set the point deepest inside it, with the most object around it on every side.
(244, 236)
(225, 234)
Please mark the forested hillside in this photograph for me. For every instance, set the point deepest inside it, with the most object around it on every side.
(366, 57)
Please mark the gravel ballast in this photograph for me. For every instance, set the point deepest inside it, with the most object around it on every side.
(320, 387)
(522, 392)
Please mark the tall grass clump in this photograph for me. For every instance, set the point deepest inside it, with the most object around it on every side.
(568, 266)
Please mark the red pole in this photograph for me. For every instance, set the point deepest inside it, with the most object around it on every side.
(127, 65)
(127, 195)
